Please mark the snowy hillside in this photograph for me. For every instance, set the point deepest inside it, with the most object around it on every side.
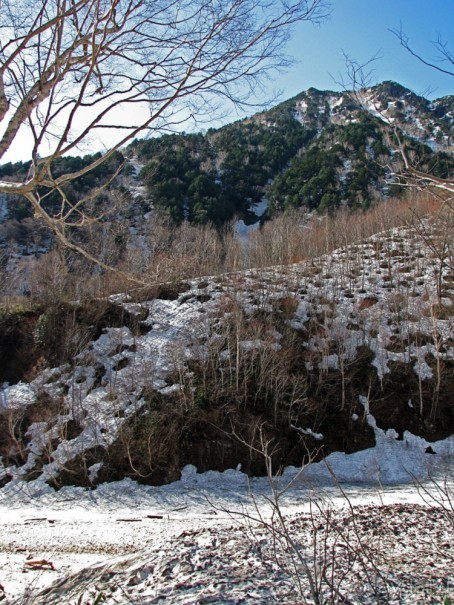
(338, 368)
(208, 362)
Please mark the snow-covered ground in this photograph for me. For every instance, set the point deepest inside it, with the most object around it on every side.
(136, 187)
(366, 295)
(241, 230)
(192, 541)
(210, 538)
(3, 207)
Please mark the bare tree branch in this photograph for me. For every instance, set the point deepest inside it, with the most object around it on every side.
(444, 54)
(67, 67)
(359, 77)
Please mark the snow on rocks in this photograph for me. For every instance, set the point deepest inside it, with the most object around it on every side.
(17, 396)
(378, 294)
(136, 187)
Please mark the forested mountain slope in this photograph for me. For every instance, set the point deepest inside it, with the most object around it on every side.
(319, 150)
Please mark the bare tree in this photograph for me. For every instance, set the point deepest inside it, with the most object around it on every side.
(444, 63)
(438, 237)
(444, 60)
(359, 76)
(69, 66)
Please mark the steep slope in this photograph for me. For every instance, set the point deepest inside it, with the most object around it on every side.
(320, 149)
(207, 371)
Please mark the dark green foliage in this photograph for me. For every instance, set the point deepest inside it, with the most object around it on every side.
(209, 179)
(16, 170)
(173, 177)
(357, 134)
(440, 165)
(310, 177)
(341, 165)
(318, 150)
(79, 187)
(20, 209)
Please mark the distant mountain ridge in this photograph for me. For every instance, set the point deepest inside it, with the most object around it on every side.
(394, 104)
(320, 149)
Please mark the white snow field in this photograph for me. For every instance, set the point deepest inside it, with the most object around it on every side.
(200, 539)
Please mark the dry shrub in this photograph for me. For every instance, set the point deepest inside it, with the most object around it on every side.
(296, 234)
(173, 253)
(439, 311)
(15, 420)
(288, 305)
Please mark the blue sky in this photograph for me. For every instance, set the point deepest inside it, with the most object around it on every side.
(361, 29)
